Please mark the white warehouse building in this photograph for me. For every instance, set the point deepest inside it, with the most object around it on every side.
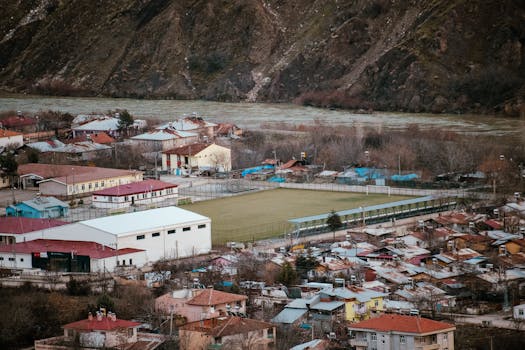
(163, 233)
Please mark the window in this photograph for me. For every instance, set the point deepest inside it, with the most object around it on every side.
(202, 226)
(96, 184)
(155, 234)
(184, 229)
(376, 303)
(83, 187)
(1, 258)
(21, 259)
(131, 261)
(373, 337)
(402, 339)
(141, 237)
(11, 259)
(520, 312)
(90, 185)
(123, 262)
(171, 232)
(126, 198)
(102, 184)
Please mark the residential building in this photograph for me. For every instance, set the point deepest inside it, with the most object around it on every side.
(232, 333)
(67, 256)
(198, 156)
(164, 233)
(163, 140)
(198, 304)
(73, 180)
(12, 228)
(101, 332)
(392, 331)
(99, 137)
(136, 193)
(39, 208)
(193, 124)
(78, 152)
(109, 125)
(10, 138)
(360, 303)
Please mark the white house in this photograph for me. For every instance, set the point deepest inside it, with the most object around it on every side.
(402, 332)
(163, 233)
(162, 140)
(192, 123)
(10, 138)
(136, 193)
(518, 312)
(200, 156)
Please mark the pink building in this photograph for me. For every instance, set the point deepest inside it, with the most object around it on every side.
(198, 304)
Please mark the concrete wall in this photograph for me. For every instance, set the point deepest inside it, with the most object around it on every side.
(114, 202)
(15, 260)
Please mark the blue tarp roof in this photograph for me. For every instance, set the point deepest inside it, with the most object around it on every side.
(407, 177)
(255, 169)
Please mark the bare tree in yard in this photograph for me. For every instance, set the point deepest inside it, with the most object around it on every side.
(334, 222)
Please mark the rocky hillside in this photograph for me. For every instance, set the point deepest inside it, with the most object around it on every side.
(406, 55)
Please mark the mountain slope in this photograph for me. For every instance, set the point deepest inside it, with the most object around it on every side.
(439, 56)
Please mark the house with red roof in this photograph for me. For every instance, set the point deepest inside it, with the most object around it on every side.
(13, 228)
(68, 256)
(233, 333)
(136, 193)
(197, 304)
(393, 331)
(197, 157)
(101, 331)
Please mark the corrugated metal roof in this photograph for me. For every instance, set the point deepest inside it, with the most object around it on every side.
(360, 210)
(103, 124)
(42, 203)
(327, 305)
(46, 146)
(162, 135)
(153, 219)
(289, 315)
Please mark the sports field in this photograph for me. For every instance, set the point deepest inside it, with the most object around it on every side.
(264, 214)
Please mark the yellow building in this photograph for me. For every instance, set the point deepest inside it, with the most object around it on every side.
(360, 303)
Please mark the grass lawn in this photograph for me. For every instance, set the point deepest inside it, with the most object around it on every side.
(264, 214)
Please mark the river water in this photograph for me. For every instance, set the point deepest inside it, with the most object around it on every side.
(257, 115)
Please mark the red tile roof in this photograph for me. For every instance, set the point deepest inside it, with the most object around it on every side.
(8, 133)
(106, 324)
(15, 121)
(403, 324)
(91, 249)
(188, 149)
(209, 297)
(17, 225)
(224, 326)
(135, 187)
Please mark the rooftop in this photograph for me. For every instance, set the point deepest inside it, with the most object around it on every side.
(209, 297)
(124, 224)
(43, 203)
(135, 187)
(105, 324)
(68, 173)
(8, 133)
(164, 134)
(18, 225)
(188, 149)
(91, 249)
(403, 324)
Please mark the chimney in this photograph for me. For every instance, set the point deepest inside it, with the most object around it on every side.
(99, 316)
(90, 316)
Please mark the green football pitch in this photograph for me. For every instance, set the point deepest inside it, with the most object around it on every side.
(265, 214)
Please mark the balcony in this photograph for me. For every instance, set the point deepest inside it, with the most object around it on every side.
(358, 342)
